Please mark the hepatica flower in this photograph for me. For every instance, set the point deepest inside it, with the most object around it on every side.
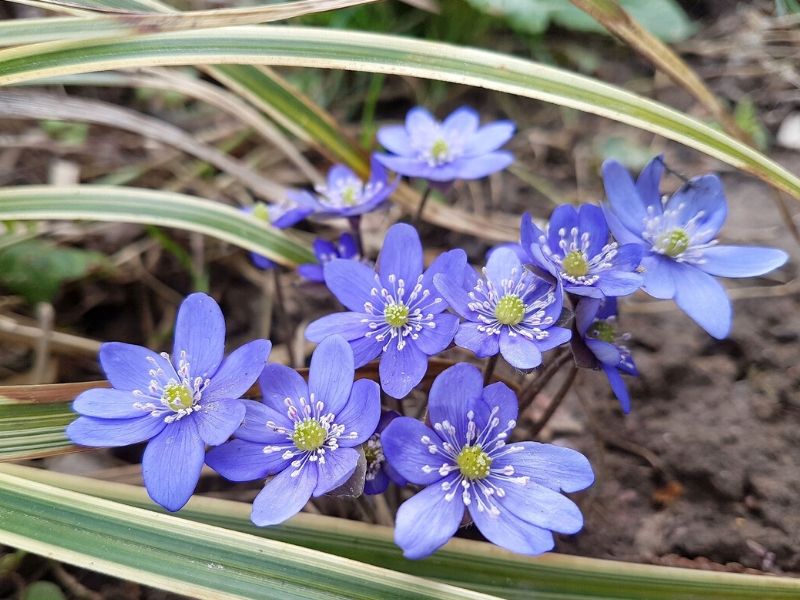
(303, 434)
(596, 323)
(508, 310)
(678, 236)
(395, 311)
(278, 215)
(379, 471)
(179, 403)
(465, 461)
(326, 251)
(345, 194)
(578, 251)
(457, 148)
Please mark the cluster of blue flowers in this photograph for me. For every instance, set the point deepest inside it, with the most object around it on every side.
(557, 286)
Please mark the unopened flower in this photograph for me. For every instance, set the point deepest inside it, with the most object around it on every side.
(303, 434)
(578, 251)
(396, 312)
(278, 215)
(465, 460)
(180, 402)
(325, 251)
(508, 309)
(379, 471)
(678, 235)
(457, 148)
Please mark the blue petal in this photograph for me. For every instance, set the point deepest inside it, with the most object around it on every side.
(659, 276)
(350, 281)
(238, 371)
(540, 506)
(108, 404)
(628, 257)
(502, 264)
(311, 272)
(420, 123)
(454, 294)
(349, 325)
(365, 349)
(433, 340)
(461, 123)
(324, 249)
(649, 182)
(218, 419)
(549, 465)
(361, 414)
(702, 297)
(254, 426)
(451, 263)
(395, 139)
(556, 337)
(401, 370)
(239, 460)
(339, 175)
(410, 166)
(172, 462)
(500, 398)
(456, 391)
(618, 387)
(427, 521)
(623, 198)
(262, 262)
(585, 314)
(111, 433)
(339, 465)
(519, 351)
(701, 195)
(408, 454)
(606, 352)
(489, 138)
(563, 220)
(284, 496)
(529, 233)
(479, 166)
(622, 234)
(200, 332)
(400, 258)
(330, 376)
(510, 532)
(279, 382)
(482, 344)
(376, 485)
(128, 367)
(741, 261)
(592, 222)
(619, 283)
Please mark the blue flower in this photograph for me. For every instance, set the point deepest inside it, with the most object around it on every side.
(681, 253)
(303, 434)
(457, 148)
(180, 402)
(464, 460)
(397, 313)
(379, 471)
(508, 310)
(596, 323)
(345, 194)
(326, 251)
(577, 250)
(278, 215)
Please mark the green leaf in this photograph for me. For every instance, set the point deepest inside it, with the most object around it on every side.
(30, 430)
(133, 205)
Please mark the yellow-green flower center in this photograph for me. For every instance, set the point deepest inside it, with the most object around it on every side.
(675, 243)
(439, 150)
(604, 331)
(261, 212)
(372, 452)
(177, 396)
(396, 315)
(510, 310)
(575, 264)
(309, 435)
(474, 462)
(349, 195)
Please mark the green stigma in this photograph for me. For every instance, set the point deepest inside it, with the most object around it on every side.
(510, 310)
(349, 196)
(309, 435)
(575, 264)
(372, 452)
(261, 212)
(177, 396)
(675, 243)
(474, 462)
(396, 315)
(439, 150)
(603, 331)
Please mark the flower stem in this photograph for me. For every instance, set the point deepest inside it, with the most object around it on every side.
(488, 371)
(280, 309)
(355, 228)
(423, 201)
(542, 380)
(555, 402)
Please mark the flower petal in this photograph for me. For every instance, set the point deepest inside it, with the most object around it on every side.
(408, 454)
(311, 272)
(108, 404)
(606, 352)
(482, 344)
(502, 264)
(480, 166)
(396, 140)
(427, 521)
(552, 466)
(500, 402)
(128, 366)
(401, 370)
(339, 175)
(741, 261)
(254, 426)
(111, 433)
(419, 122)
(586, 313)
(350, 281)
(540, 506)
(365, 349)
(562, 222)
(619, 283)
(454, 294)
(456, 391)
(649, 182)
(592, 222)
(239, 460)
(433, 340)
(238, 371)
(218, 419)
(172, 462)
(453, 261)
(701, 200)
(702, 297)
(279, 382)
(618, 387)
(410, 166)
(349, 325)
(200, 333)
(510, 532)
(628, 257)
(284, 496)
(622, 234)
(489, 138)
(461, 123)
(623, 197)
(361, 413)
(659, 276)
(330, 376)
(529, 233)
(519, 351)
(376, 485)
(400, 257)
(556, 337)
(339, 465)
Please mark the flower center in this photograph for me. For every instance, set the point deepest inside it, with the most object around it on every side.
(309, 435)
(603, 331)
(261, 212)
(177, 396)
(575, 264)
(510, 309)
(674, 243)
(440, 150)
(396, 315)
(349, 196)
(474, 462)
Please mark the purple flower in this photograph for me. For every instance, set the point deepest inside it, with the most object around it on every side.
(397, 313)
(508, 310)
(457, 148)
(681, 254)
(278, 215)
(305, 434)
(179, 403)
(326, 251)
(379, 471)
(596, 323)
(577, 250)
(345, 194)
(510, 489)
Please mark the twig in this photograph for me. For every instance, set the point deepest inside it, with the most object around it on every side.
(75, 587)
(555, 402)
(421, 208)
(544, 377)
(266, 305)
(45, 315)
(489, 369)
